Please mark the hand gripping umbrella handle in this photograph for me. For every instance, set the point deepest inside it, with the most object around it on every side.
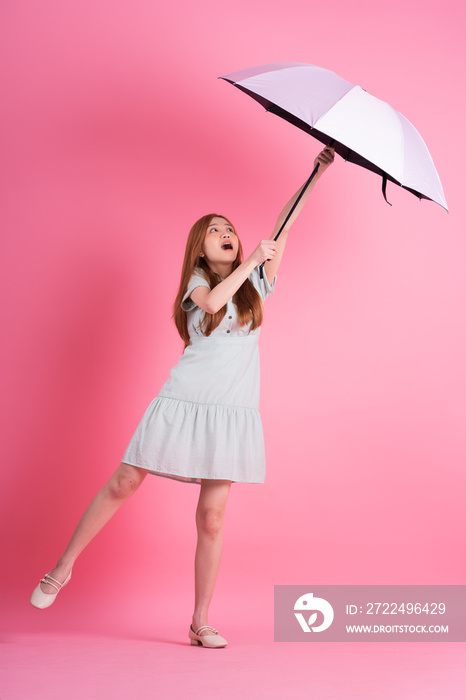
(305, 186)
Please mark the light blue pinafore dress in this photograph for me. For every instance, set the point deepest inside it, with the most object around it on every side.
(205, 422)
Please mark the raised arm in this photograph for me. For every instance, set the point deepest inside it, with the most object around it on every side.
(325, 159)
(212, 300)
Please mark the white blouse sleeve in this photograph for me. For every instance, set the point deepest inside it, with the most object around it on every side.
(197, 280)
(263, 285)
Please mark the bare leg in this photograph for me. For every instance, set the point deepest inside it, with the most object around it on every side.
(122, 484)
(209, 521)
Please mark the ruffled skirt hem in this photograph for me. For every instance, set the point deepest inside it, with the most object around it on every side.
(189, 441)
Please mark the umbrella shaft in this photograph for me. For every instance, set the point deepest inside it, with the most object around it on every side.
(296, 202)
(305, 186)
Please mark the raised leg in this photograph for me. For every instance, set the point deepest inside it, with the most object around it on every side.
(121, 485)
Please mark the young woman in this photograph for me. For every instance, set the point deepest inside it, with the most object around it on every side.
(204, 426)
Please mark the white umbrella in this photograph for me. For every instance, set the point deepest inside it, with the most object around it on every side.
(361, 128)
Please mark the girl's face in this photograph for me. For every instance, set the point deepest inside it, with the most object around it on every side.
(220, 244)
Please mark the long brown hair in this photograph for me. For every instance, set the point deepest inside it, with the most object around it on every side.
(247, 299)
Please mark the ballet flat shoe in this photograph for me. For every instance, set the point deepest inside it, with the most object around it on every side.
(210, 641)
(42, 600)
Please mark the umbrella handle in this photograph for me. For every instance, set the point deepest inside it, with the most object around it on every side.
(305, 186)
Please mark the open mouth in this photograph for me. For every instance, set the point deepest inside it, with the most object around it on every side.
(227, 246)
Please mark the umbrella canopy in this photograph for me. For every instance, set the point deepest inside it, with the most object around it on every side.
(361, 128)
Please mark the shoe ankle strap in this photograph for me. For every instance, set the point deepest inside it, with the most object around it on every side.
(52, 582)
(205, 627)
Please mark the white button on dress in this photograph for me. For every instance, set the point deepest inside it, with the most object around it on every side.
(205, 422)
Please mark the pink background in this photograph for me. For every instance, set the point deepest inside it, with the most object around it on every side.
(116, 136)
